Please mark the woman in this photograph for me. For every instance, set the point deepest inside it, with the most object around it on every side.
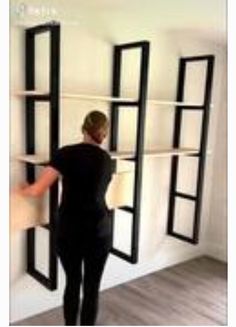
(83, 228)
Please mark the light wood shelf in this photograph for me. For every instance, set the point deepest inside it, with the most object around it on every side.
(27, 93)
(155, 153)
(66, 95)
(96, 98)
(43, 159)
(75, 96)
(33, 159)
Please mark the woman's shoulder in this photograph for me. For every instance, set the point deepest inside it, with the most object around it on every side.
(95, 148)
(71, 147)
(84, 147)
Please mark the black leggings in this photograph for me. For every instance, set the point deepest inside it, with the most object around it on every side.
(92, 254)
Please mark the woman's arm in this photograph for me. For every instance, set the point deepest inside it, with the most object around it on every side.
(48, 176)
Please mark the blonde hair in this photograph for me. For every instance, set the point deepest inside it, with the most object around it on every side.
(95, 124)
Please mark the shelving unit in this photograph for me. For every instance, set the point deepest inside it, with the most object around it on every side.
(53, 97)
(200, 157)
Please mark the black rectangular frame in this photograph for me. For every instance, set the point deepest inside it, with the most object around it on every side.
(201, 156)
(52, 98)
(138, 156)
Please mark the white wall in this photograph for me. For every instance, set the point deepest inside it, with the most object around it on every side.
(86, 62)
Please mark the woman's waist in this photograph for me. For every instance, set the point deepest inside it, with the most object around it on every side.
(83, 208)
(83, 223)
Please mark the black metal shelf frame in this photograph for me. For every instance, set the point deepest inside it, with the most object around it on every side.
(138, 156)
(53, 32)
(201, 156)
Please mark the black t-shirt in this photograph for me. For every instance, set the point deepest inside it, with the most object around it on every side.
(86, 171)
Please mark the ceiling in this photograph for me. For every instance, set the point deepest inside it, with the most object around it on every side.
(206, 18)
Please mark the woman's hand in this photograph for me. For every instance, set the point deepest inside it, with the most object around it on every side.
(48, 176)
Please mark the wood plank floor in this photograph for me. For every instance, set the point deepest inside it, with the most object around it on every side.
(191, 293)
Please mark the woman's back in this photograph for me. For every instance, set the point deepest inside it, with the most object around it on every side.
(86, 171)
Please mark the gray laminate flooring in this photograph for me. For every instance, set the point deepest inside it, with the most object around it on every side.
(190, 293)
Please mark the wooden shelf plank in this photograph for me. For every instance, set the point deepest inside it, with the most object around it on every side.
(155, 153)
(33, 159)
(78, 96)
(172, 103)
(75, 96)
(42, 159)
(170, 152)
(96, 98)
(25, 93)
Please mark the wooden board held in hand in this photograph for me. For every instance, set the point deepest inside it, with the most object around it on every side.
(28, 212)
(25, 212)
